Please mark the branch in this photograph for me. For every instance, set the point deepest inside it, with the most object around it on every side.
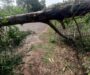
(62, 24)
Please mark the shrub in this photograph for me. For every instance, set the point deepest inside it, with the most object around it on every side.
(10, 37)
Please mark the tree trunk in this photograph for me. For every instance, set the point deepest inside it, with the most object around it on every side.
(48, 14)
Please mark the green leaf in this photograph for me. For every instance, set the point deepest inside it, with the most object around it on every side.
(88, 73)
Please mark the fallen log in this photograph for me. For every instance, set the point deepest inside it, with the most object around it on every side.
(48, 14)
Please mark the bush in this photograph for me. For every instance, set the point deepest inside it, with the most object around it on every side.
(10, 37)
(15, 35)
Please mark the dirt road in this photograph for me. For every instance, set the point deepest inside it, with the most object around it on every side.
(38, 29)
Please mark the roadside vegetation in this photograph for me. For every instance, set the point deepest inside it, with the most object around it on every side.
(81, 40)
(10, 38)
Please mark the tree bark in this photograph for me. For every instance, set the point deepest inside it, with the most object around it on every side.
(48, 14)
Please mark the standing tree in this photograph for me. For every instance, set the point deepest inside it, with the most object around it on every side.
(31, 5)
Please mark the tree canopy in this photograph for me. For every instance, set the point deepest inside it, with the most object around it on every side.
(31, 5)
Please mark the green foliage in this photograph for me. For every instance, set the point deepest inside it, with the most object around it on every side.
(15, 35)
(11, 10)
(10, 38)
(8, 63)
(87, 19)
(88, 73)
(31, 5)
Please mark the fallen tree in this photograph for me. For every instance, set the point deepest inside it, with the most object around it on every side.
(69, 11)
(48, 14)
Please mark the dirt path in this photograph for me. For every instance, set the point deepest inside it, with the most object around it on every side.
(38, 29)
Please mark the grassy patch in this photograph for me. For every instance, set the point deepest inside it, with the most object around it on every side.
(50, 45)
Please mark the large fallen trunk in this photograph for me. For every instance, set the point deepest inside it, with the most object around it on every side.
(48, 14)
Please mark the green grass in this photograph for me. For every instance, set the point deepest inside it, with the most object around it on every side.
(48, 47)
